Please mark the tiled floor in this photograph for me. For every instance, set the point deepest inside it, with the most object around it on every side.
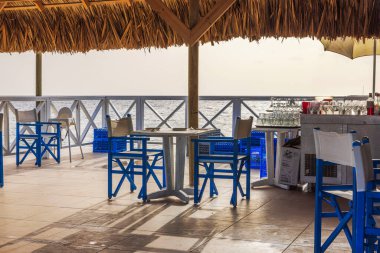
(64, 208)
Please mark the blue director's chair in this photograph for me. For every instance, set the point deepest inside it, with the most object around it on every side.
(340, 149)
(138, 151)
(34, 137)
(1, 154)
(333, 149)
(368, 199)
(238, 162)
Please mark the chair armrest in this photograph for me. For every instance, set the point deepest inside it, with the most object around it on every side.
(215, 137)
(49, 123)
(27, 124)
(213, 140)
(139, 138)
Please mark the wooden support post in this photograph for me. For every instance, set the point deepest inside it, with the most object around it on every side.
(38, 76)
(193, 79)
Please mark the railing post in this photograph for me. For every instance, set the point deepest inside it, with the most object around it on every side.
(105, 111)
(6, 143)
(236, 112)
(78, 121)
(186, 112)
(44, 116)
(140, 102)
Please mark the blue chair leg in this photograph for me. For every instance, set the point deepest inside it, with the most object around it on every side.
(248, 180)
(109, 176)
(196, 182)
(211, 176)
(1, 161)
(132, 175)
(358, 222)
(59, 145)
(371, 240)
(17, 146)
(318, 209)
(163, 173)
(144, 179)
(39, 146)
(235, 184)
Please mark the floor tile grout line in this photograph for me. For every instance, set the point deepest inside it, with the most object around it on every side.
(290, 244)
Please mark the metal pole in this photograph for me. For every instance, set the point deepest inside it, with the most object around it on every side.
(374, 68)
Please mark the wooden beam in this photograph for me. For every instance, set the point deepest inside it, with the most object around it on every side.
(59, 5)
(4, 36)
(38, 74)
(170, 18)
(86, 3)
(193, 81)
(209, 19)
(2, 5)
(39, 5)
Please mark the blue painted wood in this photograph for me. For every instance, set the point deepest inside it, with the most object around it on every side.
(1, 161)
(40, 143)
(239, 164)
(146, 169)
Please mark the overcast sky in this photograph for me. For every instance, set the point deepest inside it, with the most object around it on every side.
(238, 67)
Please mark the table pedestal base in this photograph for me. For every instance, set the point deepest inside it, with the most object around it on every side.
(265, 181)
(170, 193)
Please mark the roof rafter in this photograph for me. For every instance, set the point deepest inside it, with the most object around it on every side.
(2, 5)
(86, 3)
(209, 20)
(170, 18)
(40, 6)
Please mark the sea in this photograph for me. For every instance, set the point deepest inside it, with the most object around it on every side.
(208, 109)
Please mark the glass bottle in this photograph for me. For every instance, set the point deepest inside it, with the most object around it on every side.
(377, 104)
(370, 105)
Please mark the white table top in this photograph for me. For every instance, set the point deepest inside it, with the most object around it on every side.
(275, 129)
(171, 132)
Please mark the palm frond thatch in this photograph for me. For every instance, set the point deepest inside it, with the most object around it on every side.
(133, 25)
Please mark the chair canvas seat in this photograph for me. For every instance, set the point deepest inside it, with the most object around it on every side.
(348, 195)
(343, 194)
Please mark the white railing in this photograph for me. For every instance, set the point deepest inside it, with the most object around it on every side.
(147, 111)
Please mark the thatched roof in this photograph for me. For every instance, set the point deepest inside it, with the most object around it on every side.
(75, 26)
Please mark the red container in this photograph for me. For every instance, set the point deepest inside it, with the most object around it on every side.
(305, 107)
